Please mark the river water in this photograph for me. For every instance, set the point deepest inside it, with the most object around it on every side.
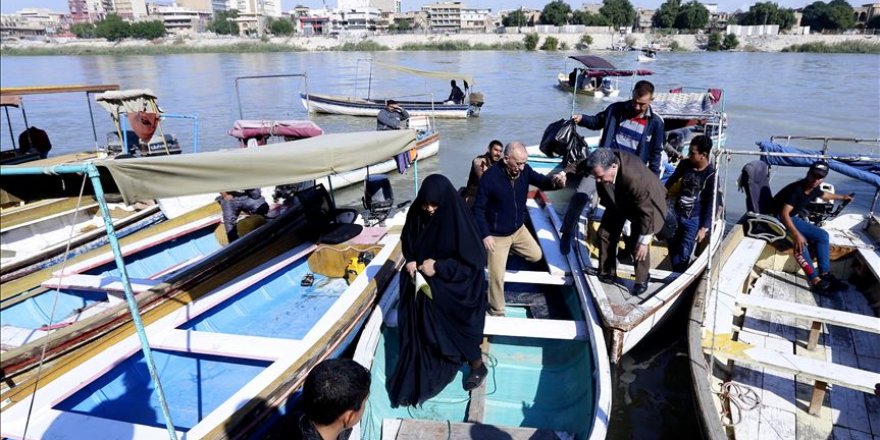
(766, 94)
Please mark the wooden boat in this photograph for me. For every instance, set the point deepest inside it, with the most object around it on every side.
(647, 56)
(354, 106)
(764, 349)
(548, 374)
(231, 350)
(597, 78)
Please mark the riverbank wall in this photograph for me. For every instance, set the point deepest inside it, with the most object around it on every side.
(209, 42)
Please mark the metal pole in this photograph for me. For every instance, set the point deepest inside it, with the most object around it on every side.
(95, 177)
(92, 117)
(842, 158)
(370, 81)
(9, 123)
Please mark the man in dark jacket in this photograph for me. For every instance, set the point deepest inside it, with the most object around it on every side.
(391, 117)
(690, 190)
(631, 126)
(628, 191)
(500, 211)
(455, 95)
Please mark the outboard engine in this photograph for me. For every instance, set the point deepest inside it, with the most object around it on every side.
(476, 101)
(378, 196)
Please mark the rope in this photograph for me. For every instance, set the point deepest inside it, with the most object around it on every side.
(710, 285)
(738, 396)
(54, 305)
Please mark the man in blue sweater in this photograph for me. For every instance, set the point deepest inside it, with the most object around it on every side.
(500, 211)
(631, 126)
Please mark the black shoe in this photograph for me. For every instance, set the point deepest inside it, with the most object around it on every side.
(476, 378)
(834, 284)
(823, 287)
(639, 288)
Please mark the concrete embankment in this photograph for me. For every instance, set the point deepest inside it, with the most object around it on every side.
(208, 43)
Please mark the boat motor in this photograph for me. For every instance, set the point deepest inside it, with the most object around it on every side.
(476, 101)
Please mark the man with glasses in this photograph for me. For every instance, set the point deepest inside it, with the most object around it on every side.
(500, 211)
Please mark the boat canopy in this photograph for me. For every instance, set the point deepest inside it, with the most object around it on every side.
(10, 101)
(148, 178)
(45, 90)
(427, 73)
(128, 101)
(246, 129)
(600, 67)
(864, 167)
(685, 105)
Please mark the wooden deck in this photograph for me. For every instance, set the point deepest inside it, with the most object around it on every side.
(844, 355)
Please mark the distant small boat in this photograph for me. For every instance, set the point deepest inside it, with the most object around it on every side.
(647, 56)
(595, 78)
(354, 106)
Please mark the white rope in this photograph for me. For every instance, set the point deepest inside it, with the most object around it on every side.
(54, 303)
(738, 396)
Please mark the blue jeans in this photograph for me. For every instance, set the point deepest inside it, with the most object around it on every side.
(682, 243)
(817, 237)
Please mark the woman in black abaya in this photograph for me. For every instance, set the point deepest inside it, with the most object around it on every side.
(437, 335)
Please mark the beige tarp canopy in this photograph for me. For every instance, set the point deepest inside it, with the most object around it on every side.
(130, 101)
(429, 74)
(274, 164)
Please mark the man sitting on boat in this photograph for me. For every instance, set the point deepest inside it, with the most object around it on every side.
(455, 95)
(334, 398)
(631, 126)
(233, 203)
(391, 117)
(628, 191)
(790, 206)
(690, 201)
(479, 165)
(500, 211)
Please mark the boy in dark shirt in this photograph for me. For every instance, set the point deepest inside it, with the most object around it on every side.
(691, 187)
(790, 205)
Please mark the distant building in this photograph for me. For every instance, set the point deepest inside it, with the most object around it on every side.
(196, 5)
(130, 9)
(382, 5)
(864, 14)
(88, 11)
(644, 19)
(444, 16)
(179, 20)
(34, 22)
(476, 20)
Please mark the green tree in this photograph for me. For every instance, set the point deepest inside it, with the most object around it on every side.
(730, 42)
(586, 40)
(714, 43)
(692, 16)
(531, 41)
(148, 30)
(222, 23)
(768, 13)
(516, 18)
(556, 13)
(619, 12)
(281, 26)
(403, 26)
(113, 28)
(841, 16)
(83, 30)
(664, 18)
(550, 43)
(834, 16)
(589, 19)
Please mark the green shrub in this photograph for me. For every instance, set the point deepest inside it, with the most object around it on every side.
(730, 42)
(866, 47)
(550, 43)
(714, 43)
(675, 47)
(531, 41)
(363, 46)
(586, 40)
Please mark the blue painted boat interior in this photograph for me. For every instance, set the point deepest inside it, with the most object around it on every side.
(277, 306)
(35, 312)
(538, 383)
(194, 386)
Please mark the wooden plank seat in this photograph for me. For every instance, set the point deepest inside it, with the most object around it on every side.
(535, 328)
(817, 315)
(731, 282)
(820, 372)
(429, 429)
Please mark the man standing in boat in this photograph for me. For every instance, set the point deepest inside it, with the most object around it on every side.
(391, 117)
(500, 211)
(479, 165)
(455, 95)
(690, 189)
(790, 206)
(233, 203)
(631, 126)
(631, 193)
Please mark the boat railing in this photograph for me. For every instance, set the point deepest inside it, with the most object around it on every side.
(304, 76)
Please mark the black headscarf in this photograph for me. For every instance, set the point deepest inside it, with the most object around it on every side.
(437, 335)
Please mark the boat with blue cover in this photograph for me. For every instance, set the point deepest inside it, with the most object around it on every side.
(770, 357)
(548, 372)
(224, 355)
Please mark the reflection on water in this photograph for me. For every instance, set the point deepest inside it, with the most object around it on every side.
(767, 94)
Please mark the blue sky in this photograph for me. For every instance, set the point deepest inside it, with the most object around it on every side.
(9, 6)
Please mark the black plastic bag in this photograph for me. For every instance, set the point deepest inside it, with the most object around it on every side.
(561, 139)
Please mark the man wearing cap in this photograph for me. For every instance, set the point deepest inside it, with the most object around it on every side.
(790, 205)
